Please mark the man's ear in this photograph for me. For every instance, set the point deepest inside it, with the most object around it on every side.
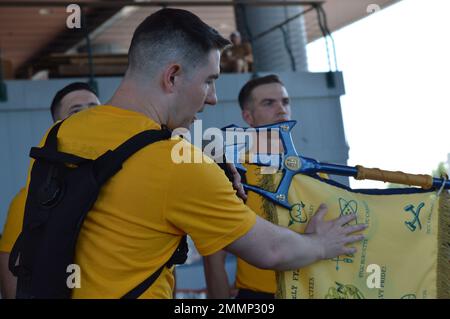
(247, 116)
(171, 72)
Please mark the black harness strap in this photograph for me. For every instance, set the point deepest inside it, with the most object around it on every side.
(50, 151)
(111, 162)
(51, 142)
(178, 257)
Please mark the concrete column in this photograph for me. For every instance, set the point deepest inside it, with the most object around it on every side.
(271, 52)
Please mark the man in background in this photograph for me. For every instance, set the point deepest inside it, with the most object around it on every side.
(237, 58)
(71, 99)
(263, 101)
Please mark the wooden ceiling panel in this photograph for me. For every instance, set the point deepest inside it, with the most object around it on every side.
(24, 31)
(29, 34)
(121, 31)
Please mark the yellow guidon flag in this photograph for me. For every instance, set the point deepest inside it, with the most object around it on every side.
(406, 253)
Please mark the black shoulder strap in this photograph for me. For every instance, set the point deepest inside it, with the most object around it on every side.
(136, 292)
(111, 162)
(52, 142)
(50, 149)
(179, 256)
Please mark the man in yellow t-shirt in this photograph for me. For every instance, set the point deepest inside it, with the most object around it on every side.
(143, 211)
(71, 99)
(263, 101)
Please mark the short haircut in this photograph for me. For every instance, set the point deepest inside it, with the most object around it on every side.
(75, 86)
(171, 34)
(246, 91)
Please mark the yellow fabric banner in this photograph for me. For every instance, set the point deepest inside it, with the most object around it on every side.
(406, 253)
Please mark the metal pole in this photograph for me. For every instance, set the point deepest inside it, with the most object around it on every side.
(3, 89)
(121, 3)
(91, 81)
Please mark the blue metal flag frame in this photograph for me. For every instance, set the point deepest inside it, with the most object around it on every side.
(291, 164)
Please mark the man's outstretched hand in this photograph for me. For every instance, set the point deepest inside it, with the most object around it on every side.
(333, 236)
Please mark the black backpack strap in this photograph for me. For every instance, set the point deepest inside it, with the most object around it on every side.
(51, 142)
(59, 157)
(50, 151)
(178, 257)
(111, 162)
(143, 286)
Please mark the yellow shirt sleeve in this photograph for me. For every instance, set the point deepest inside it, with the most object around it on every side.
(14, 221)
(206, 207)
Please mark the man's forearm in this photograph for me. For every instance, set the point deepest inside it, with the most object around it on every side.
(273, 247)
(293, 251)
(216, 276)
(269, 246)
(7, 281)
